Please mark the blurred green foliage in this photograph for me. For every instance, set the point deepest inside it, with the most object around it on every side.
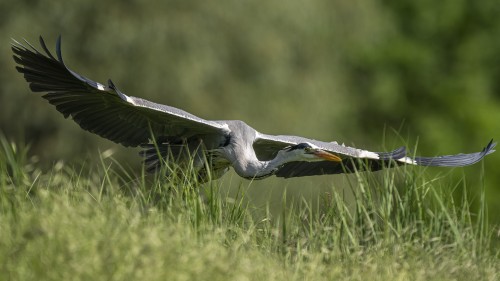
(375, 74)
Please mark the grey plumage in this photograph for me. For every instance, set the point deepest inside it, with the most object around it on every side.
(106, 111)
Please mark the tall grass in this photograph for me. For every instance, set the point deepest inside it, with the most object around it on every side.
(103, 222)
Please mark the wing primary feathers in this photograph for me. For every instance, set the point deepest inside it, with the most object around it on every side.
(102, 109)
(457, 160)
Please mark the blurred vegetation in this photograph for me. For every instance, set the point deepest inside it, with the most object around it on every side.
(376, 74)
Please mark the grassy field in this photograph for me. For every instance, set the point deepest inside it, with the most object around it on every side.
(101, 222)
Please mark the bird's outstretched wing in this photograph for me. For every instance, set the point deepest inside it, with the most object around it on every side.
(104, 110)
(353, 159)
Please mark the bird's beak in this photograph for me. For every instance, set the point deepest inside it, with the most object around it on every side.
(327, 156)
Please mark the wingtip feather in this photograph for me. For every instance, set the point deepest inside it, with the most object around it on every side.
(458, 160)
(44, 47)
(58, 49)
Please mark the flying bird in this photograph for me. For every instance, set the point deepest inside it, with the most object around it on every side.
(170, 134)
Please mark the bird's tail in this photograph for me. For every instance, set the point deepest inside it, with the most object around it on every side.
(457, 160)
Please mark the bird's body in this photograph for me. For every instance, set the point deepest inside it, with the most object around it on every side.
(169, 134)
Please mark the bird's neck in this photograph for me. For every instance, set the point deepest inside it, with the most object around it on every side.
(269, 168)
(251, 167)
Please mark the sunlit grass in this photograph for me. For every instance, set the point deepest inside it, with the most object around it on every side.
(102, 222)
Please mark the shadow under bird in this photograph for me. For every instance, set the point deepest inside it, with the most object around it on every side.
(170, 134)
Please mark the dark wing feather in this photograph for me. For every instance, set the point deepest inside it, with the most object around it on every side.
(104, 110)
(457, 160)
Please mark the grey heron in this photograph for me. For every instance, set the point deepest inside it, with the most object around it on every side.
(164, 130)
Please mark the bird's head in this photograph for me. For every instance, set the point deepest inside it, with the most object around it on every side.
(309, 152)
